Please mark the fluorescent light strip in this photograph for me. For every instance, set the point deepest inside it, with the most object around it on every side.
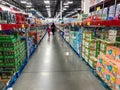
(29, 6)
(47, 6)
(66, 6)
(70, 2)
(64, 9)
(49, 13)
(46, 2)
(24, 2)
(29, 3)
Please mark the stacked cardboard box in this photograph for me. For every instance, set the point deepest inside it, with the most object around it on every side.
(108, 67)
(67, 34)
(12, 55)
(114, 35)
(90, 48)
(72, 37)
(30, 46)
(103, 46)
(75, 40)
(36, 36)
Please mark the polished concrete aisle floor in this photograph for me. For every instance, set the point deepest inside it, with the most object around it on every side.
(54, 66)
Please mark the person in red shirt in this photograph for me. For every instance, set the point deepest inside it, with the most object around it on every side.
(48, 30)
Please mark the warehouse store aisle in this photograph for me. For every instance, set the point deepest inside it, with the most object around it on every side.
(54, 66)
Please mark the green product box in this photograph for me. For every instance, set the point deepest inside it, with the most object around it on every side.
(9, 44)
(104, 34)
(7, 74)
(118, 39)
(104, 44)
(90, 35)
(12, 56)
(6, 37)
(2, 64)
(93, 62)
(1, 60)
(1, 57)
(90, 43)
(11, 60)
(13, 41)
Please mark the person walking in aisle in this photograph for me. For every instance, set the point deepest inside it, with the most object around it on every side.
(53, 28)
(48, 31)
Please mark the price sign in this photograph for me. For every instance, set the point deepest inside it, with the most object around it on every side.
(88, 23)
(98, 8)
(23, 26)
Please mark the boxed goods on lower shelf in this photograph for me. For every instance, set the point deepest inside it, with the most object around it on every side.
(93, 62)
(108, 67)
(90, 35)
(104, 44)
(12, 55)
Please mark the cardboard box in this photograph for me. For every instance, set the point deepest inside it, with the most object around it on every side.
(93, 62)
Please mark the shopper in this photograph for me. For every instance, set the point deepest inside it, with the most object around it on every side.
(48, 30)
(53, 28)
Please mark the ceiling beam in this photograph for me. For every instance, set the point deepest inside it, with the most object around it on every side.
(12, 2)
(57, 7)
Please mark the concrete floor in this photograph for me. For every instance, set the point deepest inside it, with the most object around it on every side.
(54, 66)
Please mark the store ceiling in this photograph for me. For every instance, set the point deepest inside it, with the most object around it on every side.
(52, 5)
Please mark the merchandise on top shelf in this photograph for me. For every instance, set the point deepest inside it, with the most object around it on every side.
(7, 17)
(111, 13)
(83, 17)
(118, 12)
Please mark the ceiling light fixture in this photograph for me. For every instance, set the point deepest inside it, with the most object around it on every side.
(28, 6)
(46, 2)
(70, 2)
(64, 9)
(48, 9)
(29, 3)
(32, 9)
(78, 8)
(47, 6)
(66, 6)
(49, 13)
(24, 2)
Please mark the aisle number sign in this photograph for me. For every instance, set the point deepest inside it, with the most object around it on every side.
(88, 23)
(98, 8)
(23, 26)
